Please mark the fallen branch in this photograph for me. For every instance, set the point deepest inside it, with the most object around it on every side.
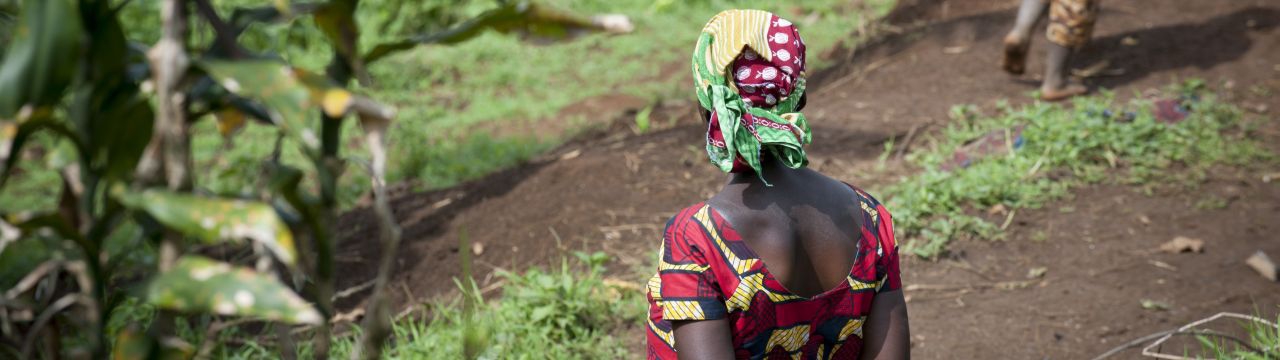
(32, 278)
(58, 306)
(353, 290)
(1185, 330)
(1003, 285)
(626, 227)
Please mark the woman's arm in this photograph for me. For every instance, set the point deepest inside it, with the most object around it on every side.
(703, 339)
(886, 334)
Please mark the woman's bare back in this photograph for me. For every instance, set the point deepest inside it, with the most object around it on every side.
(803, 227)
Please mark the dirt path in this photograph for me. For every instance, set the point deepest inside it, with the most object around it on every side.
(611, 191)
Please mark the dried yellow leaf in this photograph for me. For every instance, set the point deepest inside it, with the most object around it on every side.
(336, 102)
(230, 120)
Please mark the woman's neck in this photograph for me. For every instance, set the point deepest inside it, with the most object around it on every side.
(773, 171)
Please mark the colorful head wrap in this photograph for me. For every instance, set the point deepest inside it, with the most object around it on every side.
(748, 70)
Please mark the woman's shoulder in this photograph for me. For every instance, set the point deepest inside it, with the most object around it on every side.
(686, 220)
(858, 194)
(863, 196)
(873, 211)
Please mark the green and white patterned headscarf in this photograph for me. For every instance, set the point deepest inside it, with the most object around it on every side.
(748, 70)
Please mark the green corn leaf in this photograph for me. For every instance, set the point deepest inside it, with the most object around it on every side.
(19, 255)
(276, 86)
(110, 112)
(528, 18)
(15, 134)
(123, 130)
(41, 61)
(278, 11)
(288, 93)
(215, 220)
(336, 19)
(203, 285)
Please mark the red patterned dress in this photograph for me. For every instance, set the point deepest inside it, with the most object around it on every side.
(707, 272)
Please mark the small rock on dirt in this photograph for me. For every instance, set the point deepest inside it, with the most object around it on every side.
(1183, 244)
(1154, 305)
(1129, 41)
(442, 203)
(1263, 264)
(477, 248)
(1144, 220)
(1271, 177)
(1037, 272)
(1162, 265)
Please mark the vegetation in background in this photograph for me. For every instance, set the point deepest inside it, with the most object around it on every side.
(495, 82)
(456, 100)
(112, 117)
(1094, 139)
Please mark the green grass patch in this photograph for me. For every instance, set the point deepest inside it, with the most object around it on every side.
(1262, 343)
(567, 313)
(1095, 139)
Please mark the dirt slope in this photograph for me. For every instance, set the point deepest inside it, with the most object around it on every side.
(610, 190)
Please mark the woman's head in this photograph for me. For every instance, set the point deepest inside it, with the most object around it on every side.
(749, 75)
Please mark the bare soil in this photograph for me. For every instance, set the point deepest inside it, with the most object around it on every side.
(612, 190)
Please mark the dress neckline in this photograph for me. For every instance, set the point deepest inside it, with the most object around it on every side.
(764, 268)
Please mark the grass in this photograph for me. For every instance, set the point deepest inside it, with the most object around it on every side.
(1090, 141)
(570, 313)
(498, 81)
(1262, 338)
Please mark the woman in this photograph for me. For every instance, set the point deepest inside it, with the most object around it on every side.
(831, 289)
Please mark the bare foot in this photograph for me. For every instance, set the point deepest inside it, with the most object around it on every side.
(1063, 93)
(1015, 54)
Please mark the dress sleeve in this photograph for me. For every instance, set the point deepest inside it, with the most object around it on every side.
(888, 276)
(685, 287)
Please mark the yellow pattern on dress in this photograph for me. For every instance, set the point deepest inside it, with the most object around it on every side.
(747, 288)
(682, 310)
(875, 215)
(739, 265)
(655, 286)
(776, 297)
(855, 284)
(853, 327)
(791, 340)
(666, 336)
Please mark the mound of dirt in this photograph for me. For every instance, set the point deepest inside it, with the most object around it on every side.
(612, 190)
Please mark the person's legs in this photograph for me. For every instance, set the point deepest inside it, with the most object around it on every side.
(1056, 85)
(1070, 26)
(1019, 38)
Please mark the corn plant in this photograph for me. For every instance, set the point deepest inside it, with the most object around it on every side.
(118, 115)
